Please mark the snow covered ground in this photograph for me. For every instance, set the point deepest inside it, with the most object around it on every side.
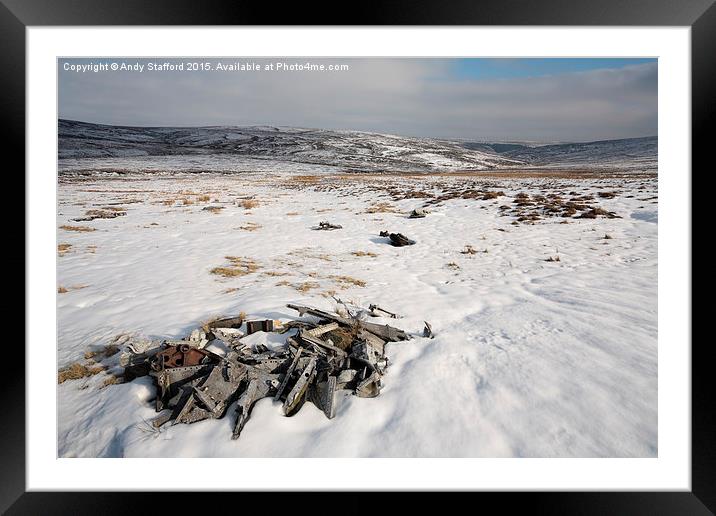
(531, 358)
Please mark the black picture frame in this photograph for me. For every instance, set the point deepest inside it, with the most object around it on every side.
(700, 15)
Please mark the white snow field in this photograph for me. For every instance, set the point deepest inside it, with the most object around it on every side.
(531, 358)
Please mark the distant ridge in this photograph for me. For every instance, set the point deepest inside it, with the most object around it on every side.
(352, 150)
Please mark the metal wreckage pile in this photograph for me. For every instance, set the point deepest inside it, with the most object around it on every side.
(327, 353)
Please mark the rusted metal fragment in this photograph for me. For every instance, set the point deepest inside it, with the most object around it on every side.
(179, 356)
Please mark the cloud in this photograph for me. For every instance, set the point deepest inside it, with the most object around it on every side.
(414, 97)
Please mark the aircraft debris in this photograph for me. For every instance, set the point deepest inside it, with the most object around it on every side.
(397, 239)
(254, 326)
(376, 311)
(327, 226)
(324, 353)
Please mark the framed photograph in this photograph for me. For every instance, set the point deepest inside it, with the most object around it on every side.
(439, 249)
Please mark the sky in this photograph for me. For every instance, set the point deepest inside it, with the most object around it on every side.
(483, 99)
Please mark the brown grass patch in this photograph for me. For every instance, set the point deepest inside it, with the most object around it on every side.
(306, 179)
(292, 213)
(382, 207)
(111, 380)
(186, 201)
(341, 337)
(214, 209)
(247, 204)
(63, 248)
(239, 266)
(364, 253)
(491, 195)
(76, 371)
(275, 273)
(306, 286)
(348, 281)
(468, 250)
(81, 229)
(250, 226)
(203, 198)
(64, 290)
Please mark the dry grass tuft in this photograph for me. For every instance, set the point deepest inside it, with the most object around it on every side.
(239, 266)
(453, 266)
(64, 290)
(76, 371)
(348, 281)
(111, 380)
(382, 207)
(468, 250)
(203, 198)
(276, 273)
(186, 201)
(491, 195)
(247, 204)
(250, 226)
(63, 248)
(214, 209)
(81, 229)
(306, 179)
(306, 286)
(341, 337)
(292, 213)
(364, 253)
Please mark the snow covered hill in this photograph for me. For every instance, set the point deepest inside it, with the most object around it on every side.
(348, 150)
(627, 153)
